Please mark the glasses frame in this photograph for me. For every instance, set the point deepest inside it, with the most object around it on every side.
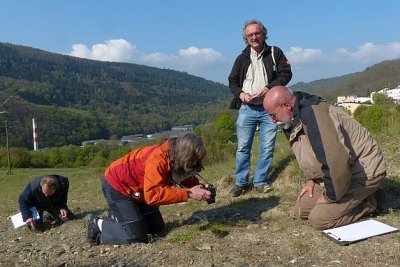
(273, 115)
(256, 34)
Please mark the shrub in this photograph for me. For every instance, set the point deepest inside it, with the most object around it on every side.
(373, 118)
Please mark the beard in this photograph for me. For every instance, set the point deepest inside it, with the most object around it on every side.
(286, 123)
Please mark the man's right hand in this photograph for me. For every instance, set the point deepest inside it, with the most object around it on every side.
(31, 222)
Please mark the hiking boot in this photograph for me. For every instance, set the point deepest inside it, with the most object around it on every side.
(266, 188)
(92, 229)
(107, 215)
(380, 196)
(237, 190)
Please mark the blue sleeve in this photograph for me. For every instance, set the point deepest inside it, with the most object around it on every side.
(25, 202)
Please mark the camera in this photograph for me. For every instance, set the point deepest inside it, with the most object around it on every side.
(213, 192)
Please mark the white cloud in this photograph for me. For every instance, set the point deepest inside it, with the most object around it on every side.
(311, 64)
(307, 63)
(300, 55)
(197, 56)
(117, 50)
(121, 50)
(367, 53)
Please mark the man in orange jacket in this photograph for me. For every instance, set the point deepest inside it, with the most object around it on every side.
(135, 185)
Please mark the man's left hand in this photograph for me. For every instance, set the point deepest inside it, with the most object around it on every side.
(260, 94)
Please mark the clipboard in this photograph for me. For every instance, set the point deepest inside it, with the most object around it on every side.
(355, 232)
(17, 220)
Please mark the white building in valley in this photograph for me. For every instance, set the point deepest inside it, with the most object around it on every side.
(393, 93)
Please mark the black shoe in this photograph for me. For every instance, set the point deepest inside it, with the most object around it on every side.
(237, 190)
(107, 215)
(380, 196)
(92, 229)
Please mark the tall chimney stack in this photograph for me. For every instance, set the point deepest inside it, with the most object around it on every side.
(35, 135)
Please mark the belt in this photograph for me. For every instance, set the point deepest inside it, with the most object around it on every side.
(252, 105)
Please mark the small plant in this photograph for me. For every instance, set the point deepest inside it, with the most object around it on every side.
(218, 229)
(182, 238)
(298, 245)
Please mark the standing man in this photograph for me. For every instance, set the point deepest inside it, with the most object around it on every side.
(45, 193)
(343, 165)
(257, 69)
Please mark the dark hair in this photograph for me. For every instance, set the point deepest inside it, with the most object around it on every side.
(51, 181)
(186, 153)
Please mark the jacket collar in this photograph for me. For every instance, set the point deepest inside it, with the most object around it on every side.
(302, 100)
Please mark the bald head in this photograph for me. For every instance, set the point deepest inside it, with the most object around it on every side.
(279, 103)
(276, 96)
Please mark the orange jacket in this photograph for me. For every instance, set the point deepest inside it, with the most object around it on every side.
(144, 174)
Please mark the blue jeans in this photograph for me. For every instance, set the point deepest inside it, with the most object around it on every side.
(249, 117)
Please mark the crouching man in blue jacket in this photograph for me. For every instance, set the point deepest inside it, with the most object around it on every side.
(45, 193)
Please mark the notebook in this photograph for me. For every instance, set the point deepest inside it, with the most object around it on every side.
(348, 234)
(17, 220)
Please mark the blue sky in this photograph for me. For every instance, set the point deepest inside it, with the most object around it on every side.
(321, 39)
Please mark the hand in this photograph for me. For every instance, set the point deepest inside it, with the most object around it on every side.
(245, 97)
(263, 92)
(307, 188)
(63, 214)
(199, 193)
(31, 222)
(260, 94)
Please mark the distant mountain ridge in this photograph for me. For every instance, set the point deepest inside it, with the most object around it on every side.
(374, 78)
(108, 99)
(76, 99)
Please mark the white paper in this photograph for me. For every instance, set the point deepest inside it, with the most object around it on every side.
(359, 231)
(17, 220)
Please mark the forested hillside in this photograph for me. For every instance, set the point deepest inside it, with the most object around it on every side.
(383, 75)
(76, 99)
(376, 77)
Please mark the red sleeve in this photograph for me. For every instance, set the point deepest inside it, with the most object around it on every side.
(156, 185)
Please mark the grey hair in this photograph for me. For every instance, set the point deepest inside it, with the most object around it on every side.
(254, 21)
(186, 153)
(51, 181)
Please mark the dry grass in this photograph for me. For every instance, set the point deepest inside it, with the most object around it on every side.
(251, 230)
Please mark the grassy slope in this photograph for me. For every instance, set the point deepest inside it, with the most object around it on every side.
(251, 230)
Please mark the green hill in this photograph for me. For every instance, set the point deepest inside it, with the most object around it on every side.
(77, 99)
(376, 77)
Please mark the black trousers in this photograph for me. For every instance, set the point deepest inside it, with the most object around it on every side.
(54, 212)
(132, 221)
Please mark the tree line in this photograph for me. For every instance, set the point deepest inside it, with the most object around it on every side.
(77, 99)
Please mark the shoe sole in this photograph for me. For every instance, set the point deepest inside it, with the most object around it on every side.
(87, 220)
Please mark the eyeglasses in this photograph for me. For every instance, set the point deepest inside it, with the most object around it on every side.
(256, 34)
(273, 115)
